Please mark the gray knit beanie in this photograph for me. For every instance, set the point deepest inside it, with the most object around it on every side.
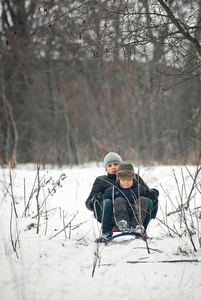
(126, 171)
(112, 157)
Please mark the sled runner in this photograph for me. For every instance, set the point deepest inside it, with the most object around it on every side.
(120, 234)
(116, 234)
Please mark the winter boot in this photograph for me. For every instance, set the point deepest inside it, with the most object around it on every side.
(123, 226)
(104, 237)
(137, 229)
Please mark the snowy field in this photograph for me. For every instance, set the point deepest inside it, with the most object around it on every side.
(58, 264)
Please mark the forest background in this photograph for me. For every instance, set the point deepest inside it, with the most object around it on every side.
(81, 78)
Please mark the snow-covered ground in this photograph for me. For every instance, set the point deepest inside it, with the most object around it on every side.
(58, 264)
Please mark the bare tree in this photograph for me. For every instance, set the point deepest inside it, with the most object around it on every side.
(82, 76)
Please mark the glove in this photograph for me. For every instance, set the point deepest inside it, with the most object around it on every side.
(154, 193)
(99, 197)
(95, 198)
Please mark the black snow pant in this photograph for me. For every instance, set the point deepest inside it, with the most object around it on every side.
(133, 214)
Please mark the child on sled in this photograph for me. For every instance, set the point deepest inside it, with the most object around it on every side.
(103, 208)
(131, 201)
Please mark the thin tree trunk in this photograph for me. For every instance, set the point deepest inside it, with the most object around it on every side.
(11, 116)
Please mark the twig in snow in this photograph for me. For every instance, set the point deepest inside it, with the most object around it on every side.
(163, 261)
(37, 199)
(96, 258)
(12, 195)
(84, 236)
(11, 234)
(65, 226)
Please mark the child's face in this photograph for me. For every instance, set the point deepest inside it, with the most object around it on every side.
(112, 168)
(126, 184)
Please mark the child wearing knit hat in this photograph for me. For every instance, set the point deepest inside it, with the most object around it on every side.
(112, 158)
(103, 208)
(130, 200)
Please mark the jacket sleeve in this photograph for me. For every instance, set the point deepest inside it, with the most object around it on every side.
(153, 195)
(108, 193)
(95, 194)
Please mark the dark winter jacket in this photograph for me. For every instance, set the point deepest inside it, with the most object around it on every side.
(101, 183)
(132, 194)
